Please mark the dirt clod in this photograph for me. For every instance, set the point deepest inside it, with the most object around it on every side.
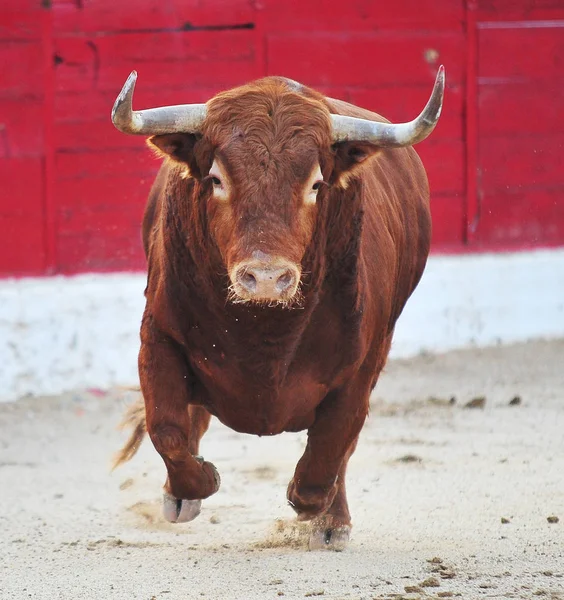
(552, 519)
(409, 458)
(127, 483)
(413, 589)
(478, 402)
(430, 582)
(447, 574)
(515, 401)
(437, 401)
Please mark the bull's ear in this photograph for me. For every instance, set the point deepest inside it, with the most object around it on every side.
(177, 146)
(349, 156)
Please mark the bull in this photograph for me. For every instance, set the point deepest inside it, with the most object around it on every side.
(284, 234)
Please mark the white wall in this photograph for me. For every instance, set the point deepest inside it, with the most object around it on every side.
(481, 300)
(65, 333)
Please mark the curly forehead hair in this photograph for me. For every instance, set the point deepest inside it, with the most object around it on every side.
(270, 113)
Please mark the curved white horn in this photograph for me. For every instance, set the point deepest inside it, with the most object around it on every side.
(182, 118)
(393, 135)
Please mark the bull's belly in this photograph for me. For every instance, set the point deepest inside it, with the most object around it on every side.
(259, 411)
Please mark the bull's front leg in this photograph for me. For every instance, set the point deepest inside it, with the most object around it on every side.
(317, 490)
(174, 427)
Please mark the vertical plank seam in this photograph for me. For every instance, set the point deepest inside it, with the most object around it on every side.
(49, 221)
(472, 208)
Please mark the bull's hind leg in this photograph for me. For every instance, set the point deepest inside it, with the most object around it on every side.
(331, 530)
(175, 427)
(199, 422)
(317, 490)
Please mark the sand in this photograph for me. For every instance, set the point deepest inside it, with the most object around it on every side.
(446, 500)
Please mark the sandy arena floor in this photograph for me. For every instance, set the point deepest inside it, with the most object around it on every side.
(446, 500)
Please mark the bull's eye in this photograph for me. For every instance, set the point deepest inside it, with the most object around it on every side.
(311, 196)
(312, 186)
(221, 184)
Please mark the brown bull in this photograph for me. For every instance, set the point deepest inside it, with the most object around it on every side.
(284, 234)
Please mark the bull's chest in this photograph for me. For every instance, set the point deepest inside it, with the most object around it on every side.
(262, 399)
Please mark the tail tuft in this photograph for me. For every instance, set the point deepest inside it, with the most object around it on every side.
(135, 418)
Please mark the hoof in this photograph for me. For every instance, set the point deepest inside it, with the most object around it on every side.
(327, 536)
(180, 511)
(214, 472)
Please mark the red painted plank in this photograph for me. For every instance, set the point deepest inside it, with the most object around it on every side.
(527, 52)
(365, 60)
(520, 161)
(109, 163)
(359, 15)
(22, 247)
(185, 47)
(403, 103)
(514, 162)
(208, 59)
(173, 15)
(30, 6)
(94, 135)
(112, 77)
(22, 69)
(522, 6)
(21, 188)
(337, 92)
(519, 9)
(19, 24)
(107, 240)
(521, 108)
(444, 162)
(448, 221)
(110, 192)
(22, 134)
(521, 217)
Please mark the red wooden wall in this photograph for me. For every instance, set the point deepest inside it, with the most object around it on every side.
(72, 188)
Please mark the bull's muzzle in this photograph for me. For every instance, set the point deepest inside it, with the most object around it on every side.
(265, 280)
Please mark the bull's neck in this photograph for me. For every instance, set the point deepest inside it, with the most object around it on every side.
(261, 340)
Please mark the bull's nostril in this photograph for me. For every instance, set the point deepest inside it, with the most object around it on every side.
(284, 281)
(249, 281)
(265, 282)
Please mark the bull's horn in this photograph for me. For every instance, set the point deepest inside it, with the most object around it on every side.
(183, 118)
(389, 134)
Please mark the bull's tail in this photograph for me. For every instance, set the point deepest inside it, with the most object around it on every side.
(134, 418)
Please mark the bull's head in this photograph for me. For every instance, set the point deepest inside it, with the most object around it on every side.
(263, 156)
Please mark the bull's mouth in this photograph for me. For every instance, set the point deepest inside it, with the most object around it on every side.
(265, 281)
